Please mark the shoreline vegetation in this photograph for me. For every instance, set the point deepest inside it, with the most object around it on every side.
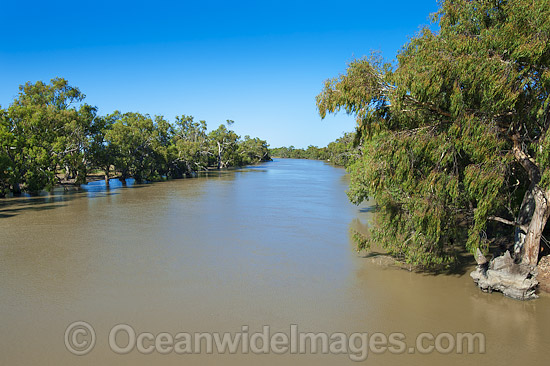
(49, 137)
(455, 142)
(341, 152)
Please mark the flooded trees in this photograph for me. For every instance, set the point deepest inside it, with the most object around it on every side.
(49, 135)
(191, 146)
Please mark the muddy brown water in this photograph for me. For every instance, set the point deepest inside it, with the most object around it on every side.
(231, 252)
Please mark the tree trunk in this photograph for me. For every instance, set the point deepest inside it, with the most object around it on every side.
(524, 217)
(219, 156)
(529, 251)
(16, 189)
(538, 221)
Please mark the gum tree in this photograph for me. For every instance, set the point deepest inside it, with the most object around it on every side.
(139, 144)
(223, 144)
(49, 126)
(454, 134)
(191, 143)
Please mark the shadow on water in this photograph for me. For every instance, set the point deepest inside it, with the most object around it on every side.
(374, 255)
(43, 201)
(369, 209)
(59, 196)
(464, 263)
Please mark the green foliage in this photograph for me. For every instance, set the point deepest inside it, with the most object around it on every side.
(48, 129)
(252, 151)
(191, 144)
(6, 163)
(343, 151)
(223, 146)
(139, 144)
(441, 131)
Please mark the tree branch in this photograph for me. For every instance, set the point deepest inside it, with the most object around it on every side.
(430, 106)
(508, 222)
(526, 161)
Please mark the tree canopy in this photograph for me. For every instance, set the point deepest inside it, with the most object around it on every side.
(454, 133)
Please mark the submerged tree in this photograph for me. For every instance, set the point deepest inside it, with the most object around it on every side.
(223, 144)
(139, 145)
(252, 150)
(454, 135)
(48, 128)
(191, 143)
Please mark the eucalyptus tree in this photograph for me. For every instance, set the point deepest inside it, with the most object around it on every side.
(191, 143)
(49, 126)
(253, 150)
(343, 151)
(102, 153)
(454, 134)
(223, 145)
(140, 145)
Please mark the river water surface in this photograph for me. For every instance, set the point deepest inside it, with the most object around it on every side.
(266, 245)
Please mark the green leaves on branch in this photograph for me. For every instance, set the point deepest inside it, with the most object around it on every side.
(453, 134)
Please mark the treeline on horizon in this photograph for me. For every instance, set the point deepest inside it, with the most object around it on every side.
(49, 136)
(343, 151)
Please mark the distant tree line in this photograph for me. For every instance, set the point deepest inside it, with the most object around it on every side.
(48, 135)
(343, 151)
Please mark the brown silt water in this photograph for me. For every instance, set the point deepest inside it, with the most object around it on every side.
(263, 254)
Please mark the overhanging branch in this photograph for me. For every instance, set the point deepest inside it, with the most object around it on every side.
(508, 222)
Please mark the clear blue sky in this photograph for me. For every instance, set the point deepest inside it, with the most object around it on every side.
(260, 63)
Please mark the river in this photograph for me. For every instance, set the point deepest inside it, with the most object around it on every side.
(231, 251)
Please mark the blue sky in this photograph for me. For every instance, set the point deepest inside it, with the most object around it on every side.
(259, 63)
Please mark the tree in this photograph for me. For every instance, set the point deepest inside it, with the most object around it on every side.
(455, 134)
(141, 145)
(48, 130)
(191, 143)
(253, 150)
(224, 145)
(343, 151)
(102, 153)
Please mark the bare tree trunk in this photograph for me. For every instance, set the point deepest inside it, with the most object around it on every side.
(524, 217)
(530, 249)
(106, 172)
(541, 213)
(219, 155)
(67, 172)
